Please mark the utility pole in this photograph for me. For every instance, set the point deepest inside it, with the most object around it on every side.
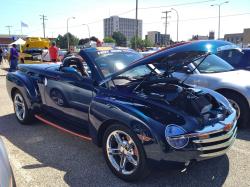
(8, 26)
(166, 23)
(136, 18)
(43, 18)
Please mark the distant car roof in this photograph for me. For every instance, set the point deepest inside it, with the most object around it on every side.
(246, 49)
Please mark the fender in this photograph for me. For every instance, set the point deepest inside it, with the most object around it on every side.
(25, 84)
(104, 112)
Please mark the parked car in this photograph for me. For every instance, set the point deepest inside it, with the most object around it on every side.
(237, 57)
(6, 175)
(123, 104)
(214, 73)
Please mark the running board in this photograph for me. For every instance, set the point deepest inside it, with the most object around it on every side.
(62, 127)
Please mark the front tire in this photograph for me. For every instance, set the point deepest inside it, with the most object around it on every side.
(124, 153)
(23, 114)
(241, 107)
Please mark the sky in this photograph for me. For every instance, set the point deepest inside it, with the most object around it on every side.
(196, 16)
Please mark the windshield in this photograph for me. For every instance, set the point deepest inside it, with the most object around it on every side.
(232, 56)
(212, 64)
(109, 62)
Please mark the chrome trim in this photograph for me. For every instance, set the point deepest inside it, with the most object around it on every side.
(218, 153)
(218, 138)
(211, 129)
(222, 145)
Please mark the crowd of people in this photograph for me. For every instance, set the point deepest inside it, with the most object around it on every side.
(12, 55)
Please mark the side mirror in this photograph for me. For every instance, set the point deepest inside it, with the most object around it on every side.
(71, 72)
(68, 70)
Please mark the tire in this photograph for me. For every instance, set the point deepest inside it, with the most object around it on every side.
(19, 103)
(131, 151)
(236, 99)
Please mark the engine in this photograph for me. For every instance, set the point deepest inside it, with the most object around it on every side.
(193, 101)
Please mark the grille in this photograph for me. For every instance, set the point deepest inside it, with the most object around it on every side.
(216, 144)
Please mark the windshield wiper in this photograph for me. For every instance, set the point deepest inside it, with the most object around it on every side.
(145, 78)
(123, 77)
(202, 56)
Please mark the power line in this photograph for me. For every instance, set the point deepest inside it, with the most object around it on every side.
(43, 18)
(202, 18)
(131, 10)
(179, 4)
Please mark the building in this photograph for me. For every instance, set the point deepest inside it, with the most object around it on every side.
(246, 37)
(211, 35)
(6, 39)
(156, 38)
(236, 38)
(241, 39)
(124, 25)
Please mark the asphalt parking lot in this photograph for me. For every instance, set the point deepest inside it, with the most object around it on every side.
(43, 156)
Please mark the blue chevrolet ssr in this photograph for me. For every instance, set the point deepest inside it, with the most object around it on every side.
(124, 104)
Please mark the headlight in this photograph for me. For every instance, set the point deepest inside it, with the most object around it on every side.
(175, 136)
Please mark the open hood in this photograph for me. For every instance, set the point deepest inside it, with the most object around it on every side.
(176, 57)
(171, 61)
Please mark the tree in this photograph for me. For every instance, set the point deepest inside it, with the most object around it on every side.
(108, 40)
(147, 43)
(119, 38)
(62, 41)
(83, 41)
(139, 43)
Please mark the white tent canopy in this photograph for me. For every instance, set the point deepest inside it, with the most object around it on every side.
(20, 41)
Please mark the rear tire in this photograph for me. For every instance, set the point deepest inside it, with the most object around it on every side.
(241, 106)
(130, 150)
(23, 114)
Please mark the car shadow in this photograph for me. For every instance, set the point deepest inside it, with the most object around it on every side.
(84, 164)
(244, 134)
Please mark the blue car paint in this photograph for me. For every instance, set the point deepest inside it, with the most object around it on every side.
(112, 106)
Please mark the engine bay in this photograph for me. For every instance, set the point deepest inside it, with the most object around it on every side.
(190, 100)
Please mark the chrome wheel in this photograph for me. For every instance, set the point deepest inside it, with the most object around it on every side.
(235, 106)
(122, 152)
(19, 107)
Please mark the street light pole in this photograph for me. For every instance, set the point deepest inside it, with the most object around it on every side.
(177, 29)
(88, 29)
(219, 5)
(68, 29)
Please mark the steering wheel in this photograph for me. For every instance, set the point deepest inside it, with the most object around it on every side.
(73, 60)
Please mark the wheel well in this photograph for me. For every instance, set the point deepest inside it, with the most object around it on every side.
(223, 90)
(103, 128)
(13, 91)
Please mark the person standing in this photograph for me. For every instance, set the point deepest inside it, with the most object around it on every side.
(53, 52)
(5, 54)
(1, 56)
(13, 58)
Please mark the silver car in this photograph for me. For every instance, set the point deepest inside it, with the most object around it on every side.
(6, 177)
(212, 72)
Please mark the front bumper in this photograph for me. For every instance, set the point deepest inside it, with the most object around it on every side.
(212, 141)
